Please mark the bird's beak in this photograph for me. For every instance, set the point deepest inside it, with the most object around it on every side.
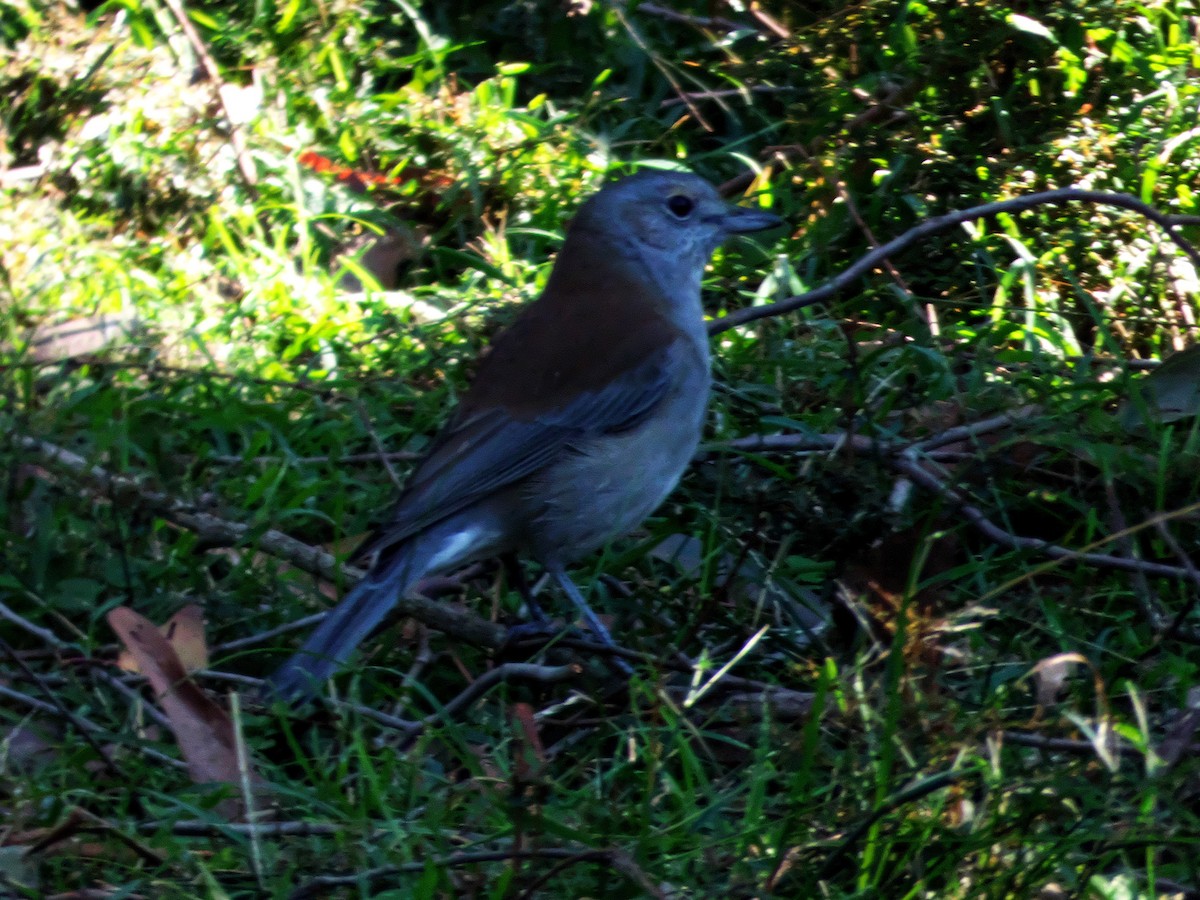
(742, 219)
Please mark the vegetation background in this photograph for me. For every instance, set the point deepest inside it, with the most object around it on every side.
(248, 268)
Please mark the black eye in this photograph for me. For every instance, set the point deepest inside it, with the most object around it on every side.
(680, 206)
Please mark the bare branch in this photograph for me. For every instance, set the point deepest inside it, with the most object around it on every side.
(836, 286)
(998, 535)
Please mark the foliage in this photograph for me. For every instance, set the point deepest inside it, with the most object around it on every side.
(968, 695)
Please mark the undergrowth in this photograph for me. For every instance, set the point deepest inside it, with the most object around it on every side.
(929, 709)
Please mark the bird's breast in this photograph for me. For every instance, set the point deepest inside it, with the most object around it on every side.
(612, 481)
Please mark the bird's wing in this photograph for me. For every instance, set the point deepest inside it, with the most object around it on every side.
(486, 449)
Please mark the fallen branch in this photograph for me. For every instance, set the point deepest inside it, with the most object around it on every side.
(463, 625)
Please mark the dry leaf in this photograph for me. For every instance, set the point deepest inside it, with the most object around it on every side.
(202, 729)
(1051, 674)
(184, 631)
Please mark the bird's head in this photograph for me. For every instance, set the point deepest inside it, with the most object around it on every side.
(674, 215)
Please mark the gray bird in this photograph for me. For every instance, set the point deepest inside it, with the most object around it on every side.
(581, 418)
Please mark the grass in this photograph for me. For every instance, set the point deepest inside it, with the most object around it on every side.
(952, 716)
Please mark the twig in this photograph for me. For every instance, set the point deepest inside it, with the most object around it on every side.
(373, 877)
(835, 286)
(1056, 744)
(464, 625)
(80, 820)
(381, 453)
(1193, 575)
(619, 861)
(508, 671)
(619, 11)
(406, 726)
(322, 388)
(130, 694)
(208, 527)
(902, 489)
(85, 725)
(768, 443)
(256, 688)
(905, 460)
(998, 535)
(42, 634)
(721, 95)
(60, 708)
(928, 314)
(213, 74)
(769, 23)
(926, 449)
(429, 588)
(785, 704)
(202, 828)
(350, 459)
(261, 637)
(921, 789)
(411, 728)
(704, 23)
(959, 433)
(476, 689)
(763, 23)
(422, 659)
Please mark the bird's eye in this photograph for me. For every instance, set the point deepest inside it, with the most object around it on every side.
(680, 206)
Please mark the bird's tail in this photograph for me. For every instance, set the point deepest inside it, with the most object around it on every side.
(347, 624)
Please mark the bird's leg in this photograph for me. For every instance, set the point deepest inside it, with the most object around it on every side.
(593, 621)
(515, 576)
(539, 629)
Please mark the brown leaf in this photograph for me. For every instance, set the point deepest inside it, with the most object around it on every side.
(184, 631)
(378, 255)
(202, 729)
(1051, 673)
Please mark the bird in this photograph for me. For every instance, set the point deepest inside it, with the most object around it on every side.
(579, 421)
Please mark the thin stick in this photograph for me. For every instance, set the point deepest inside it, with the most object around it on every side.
(835, 286)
